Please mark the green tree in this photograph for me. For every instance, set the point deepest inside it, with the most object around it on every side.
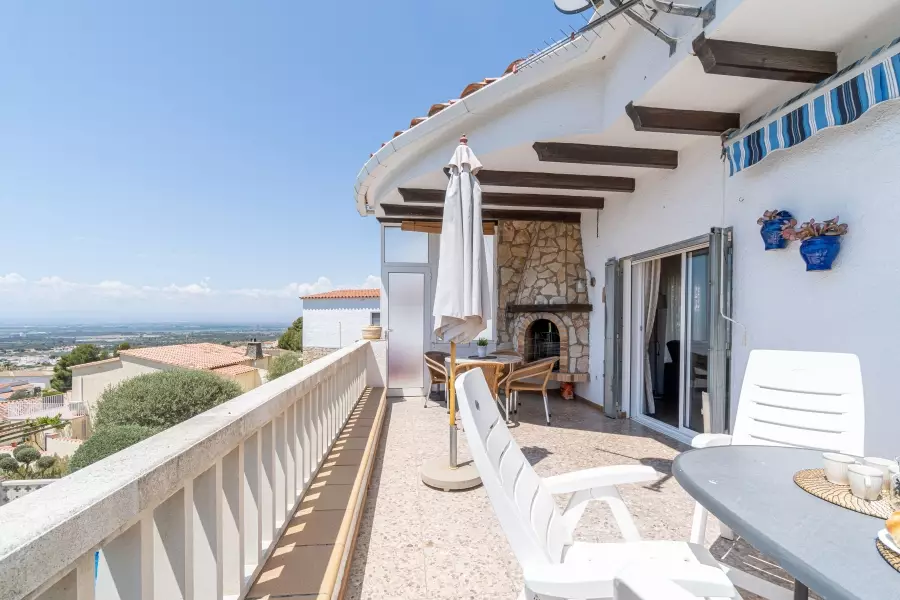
(106, 442)
(163, 399)
(284, 364)
(26, 462)
(83, 354)
(20, 394)
(292, 339)
(50, 392)
(122, 346)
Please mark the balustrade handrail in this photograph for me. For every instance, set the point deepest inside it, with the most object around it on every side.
(54, 533)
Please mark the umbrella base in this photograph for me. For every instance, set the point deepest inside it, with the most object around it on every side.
(437, 473)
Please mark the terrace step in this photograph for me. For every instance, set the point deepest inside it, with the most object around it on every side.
(312, 558)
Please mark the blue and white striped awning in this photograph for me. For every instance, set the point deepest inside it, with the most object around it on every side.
(841, 99)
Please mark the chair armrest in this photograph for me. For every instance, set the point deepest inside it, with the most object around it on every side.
(581, 580)
(709, 440)
(599, 477)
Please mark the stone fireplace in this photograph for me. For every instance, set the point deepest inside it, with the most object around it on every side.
(540, 311)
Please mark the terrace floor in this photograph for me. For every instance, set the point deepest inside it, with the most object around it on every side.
(416, 542)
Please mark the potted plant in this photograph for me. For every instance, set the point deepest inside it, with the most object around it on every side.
(771, 224)
(820, 242)
(482, 344)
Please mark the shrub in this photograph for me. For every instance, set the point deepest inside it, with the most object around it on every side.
(284, 364)
(4, 455)
(26, 454)
(163, 399)
(9, 464)
(45, 462)
(108, 441)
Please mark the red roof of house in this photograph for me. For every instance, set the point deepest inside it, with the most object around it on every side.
(203, 356)
(365, 293)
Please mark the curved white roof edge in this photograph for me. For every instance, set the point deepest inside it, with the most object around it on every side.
(408, 145)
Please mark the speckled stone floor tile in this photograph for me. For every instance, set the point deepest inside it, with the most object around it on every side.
(417, 543)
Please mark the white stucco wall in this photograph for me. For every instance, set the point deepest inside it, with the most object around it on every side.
(336, 322)
(851, 172)
(89, 381)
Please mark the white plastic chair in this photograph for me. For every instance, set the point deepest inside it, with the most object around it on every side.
(799, 399)
(637, 582)
(553, 564)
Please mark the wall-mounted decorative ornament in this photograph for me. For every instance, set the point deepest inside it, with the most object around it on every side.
(820, 242)
(771, 224)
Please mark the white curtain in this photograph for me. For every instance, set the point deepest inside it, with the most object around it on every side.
(673, 308)
(651, 296)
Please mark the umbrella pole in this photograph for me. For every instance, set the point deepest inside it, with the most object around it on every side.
(451, 403)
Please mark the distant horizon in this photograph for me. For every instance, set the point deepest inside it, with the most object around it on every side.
(73, 321)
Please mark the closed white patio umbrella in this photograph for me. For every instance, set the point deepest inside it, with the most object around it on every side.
(462, 298)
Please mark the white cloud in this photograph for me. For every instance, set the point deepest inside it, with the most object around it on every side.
(12, 279)
(51, 295)
(372, 282)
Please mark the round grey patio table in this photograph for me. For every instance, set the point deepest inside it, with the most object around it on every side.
(751, 489)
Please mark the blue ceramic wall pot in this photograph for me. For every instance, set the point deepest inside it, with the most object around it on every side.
(771, 231)
(819, 252)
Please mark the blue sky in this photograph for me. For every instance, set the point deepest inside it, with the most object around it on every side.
(196, 159)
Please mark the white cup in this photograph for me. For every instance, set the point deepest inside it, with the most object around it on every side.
(865, 482)
(882, 464)
(836, 467)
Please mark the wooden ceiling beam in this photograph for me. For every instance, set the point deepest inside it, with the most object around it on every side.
(424, 196)
(618, 156)
(740, 59)
(671, 120)
(560, 181)
(410, 212)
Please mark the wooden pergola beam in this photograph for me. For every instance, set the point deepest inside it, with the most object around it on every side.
(424, 196)
(740, 59)
(409, 212)
(560, 181)
(618, 156)
(671, 120)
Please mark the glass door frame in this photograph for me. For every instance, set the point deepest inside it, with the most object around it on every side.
(633, 370)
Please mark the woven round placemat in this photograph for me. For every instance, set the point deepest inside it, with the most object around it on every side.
(813, 481)
(889, 555)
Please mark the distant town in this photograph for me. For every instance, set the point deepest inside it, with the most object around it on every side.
(33, 346)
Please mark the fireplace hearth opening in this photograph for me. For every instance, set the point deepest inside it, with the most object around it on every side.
(542, 341)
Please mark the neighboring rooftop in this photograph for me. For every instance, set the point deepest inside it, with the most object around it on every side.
(204, 356)
(363, 293)
(234, 370)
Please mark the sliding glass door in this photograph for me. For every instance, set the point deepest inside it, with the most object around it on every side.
(674, 338)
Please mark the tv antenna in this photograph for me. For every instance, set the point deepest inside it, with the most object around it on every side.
(573, 7)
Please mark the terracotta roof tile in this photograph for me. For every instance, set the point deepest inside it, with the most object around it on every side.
(96, 362)
(365, 293)
(203, 356)
(234, 369)
(469, 90)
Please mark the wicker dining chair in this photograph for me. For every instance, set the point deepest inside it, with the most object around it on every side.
(437, 371)
(493, 373)
(515, 383)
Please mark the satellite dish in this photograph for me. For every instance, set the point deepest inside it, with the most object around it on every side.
(573, 7)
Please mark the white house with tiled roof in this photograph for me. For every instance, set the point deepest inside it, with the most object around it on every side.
(91, 379)
(335, 319)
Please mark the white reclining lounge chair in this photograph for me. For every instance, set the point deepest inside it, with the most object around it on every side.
(553, 564)
(801, 399)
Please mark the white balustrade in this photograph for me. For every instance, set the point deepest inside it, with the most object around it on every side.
(192, 512)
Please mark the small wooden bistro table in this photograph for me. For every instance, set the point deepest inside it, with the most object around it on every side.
(507, 359)
(828, 548)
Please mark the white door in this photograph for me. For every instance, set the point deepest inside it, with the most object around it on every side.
(407, 293)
